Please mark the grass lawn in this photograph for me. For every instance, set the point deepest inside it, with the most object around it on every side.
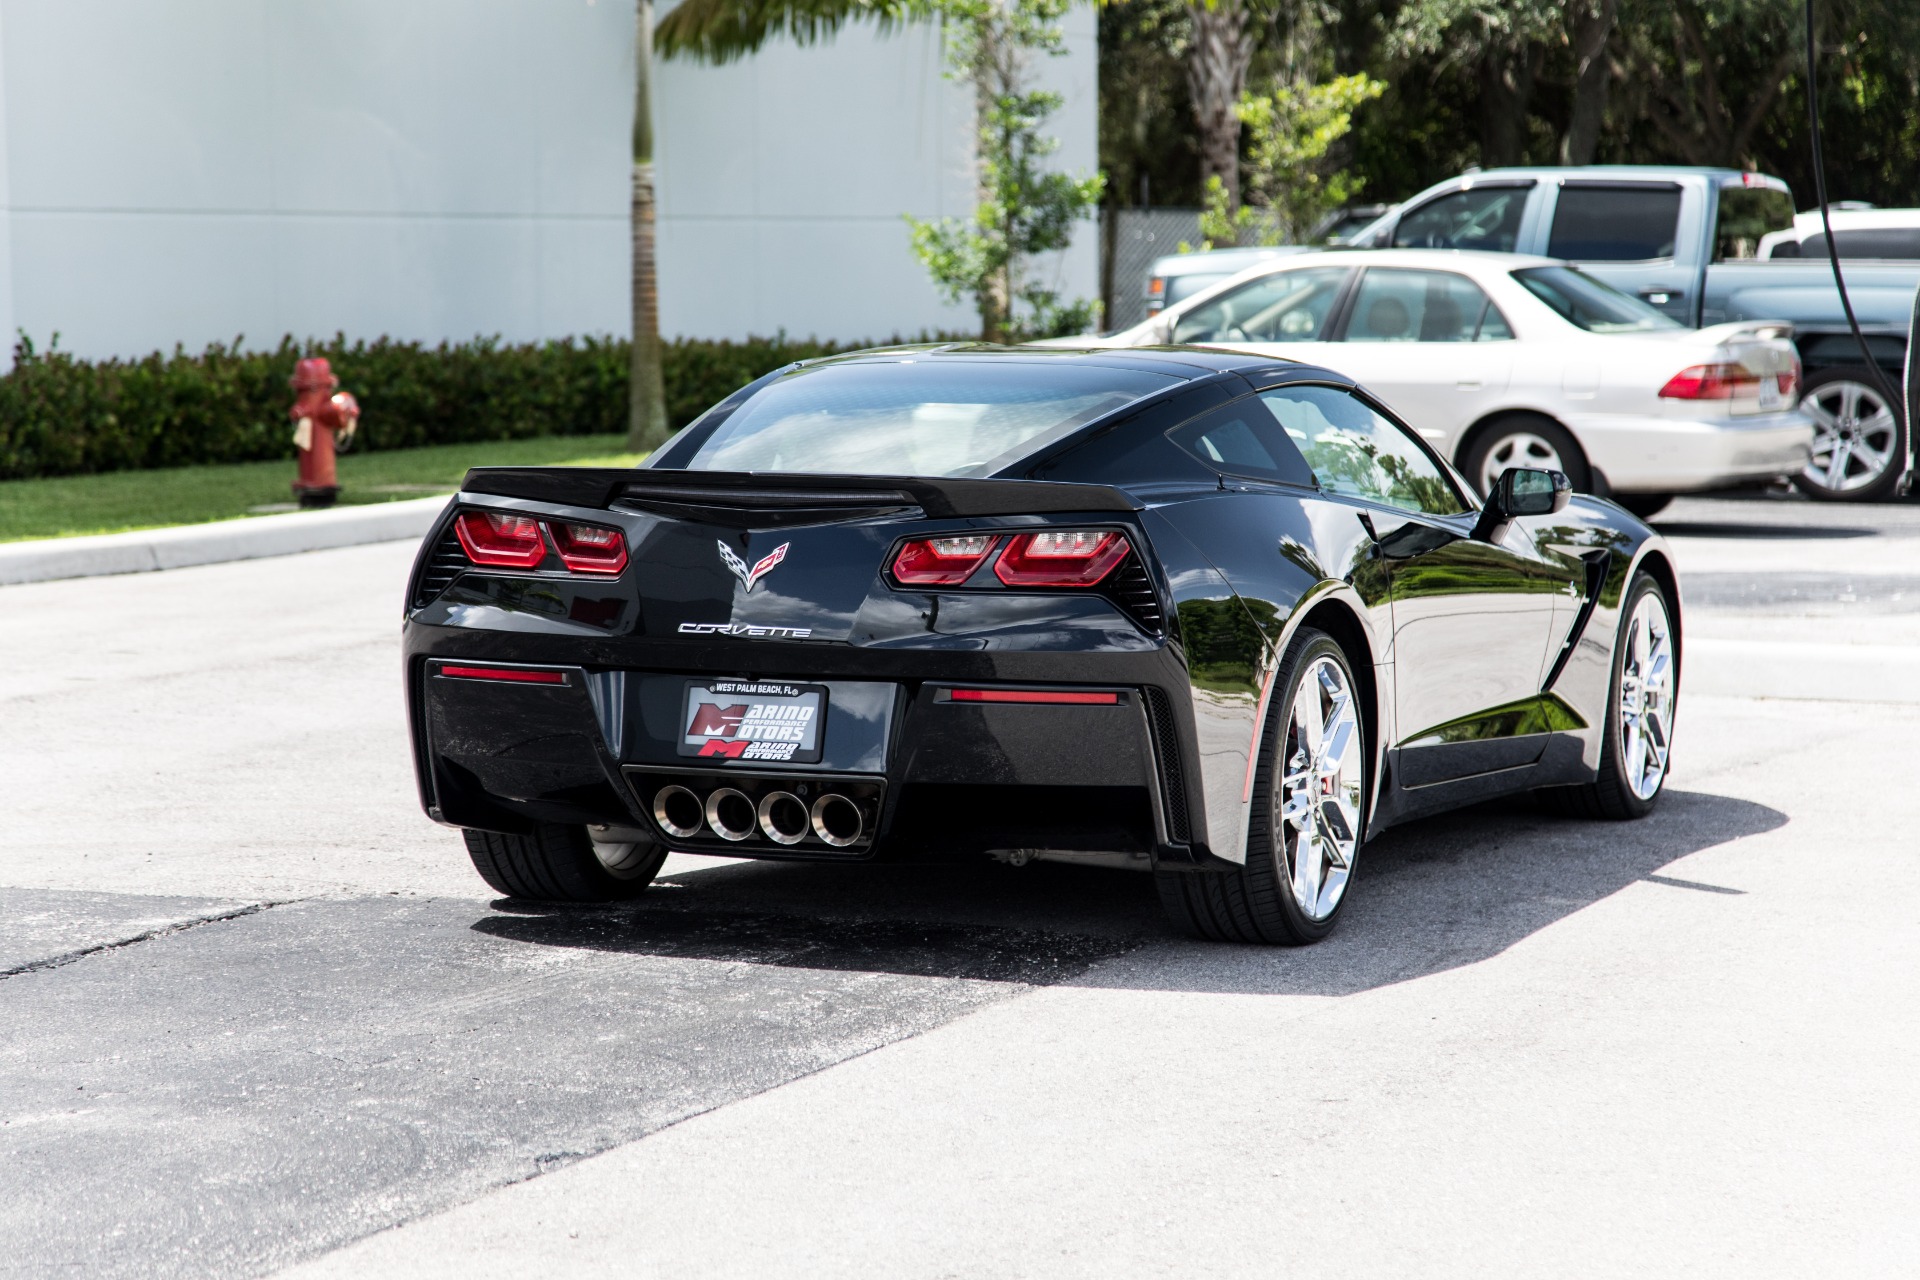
(68, 505)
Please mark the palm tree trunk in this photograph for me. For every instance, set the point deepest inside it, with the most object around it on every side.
(1217, 62)
(646, 392)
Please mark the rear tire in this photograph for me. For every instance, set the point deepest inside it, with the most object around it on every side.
(1859, 441)
(1641, 702)
(1524, 440)
(1300, 852)
(561, 864)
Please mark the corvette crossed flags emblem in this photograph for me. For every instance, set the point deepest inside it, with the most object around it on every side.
(760, 570)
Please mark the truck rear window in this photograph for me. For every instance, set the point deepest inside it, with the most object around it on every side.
(1588, 304)
(1746, 214)
(1615, 224)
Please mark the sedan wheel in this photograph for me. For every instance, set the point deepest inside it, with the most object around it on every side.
(1859, 441)
(1523, 440)
(1519, 449)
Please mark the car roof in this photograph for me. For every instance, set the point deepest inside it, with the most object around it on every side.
(1187, 363)
(1224, 261)
(1440, 259)
(1808, 223)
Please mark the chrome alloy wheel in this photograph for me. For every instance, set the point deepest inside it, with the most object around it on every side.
(1646, 697)
(1518, 449)
(1319, 792)
(1854, 436)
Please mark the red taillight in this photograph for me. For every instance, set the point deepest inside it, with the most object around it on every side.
(500, 541)
(1073, 697)
(589, 548)
(1060, 558)
(1711, 382)
(507, 675)
(1790, 381)
(941, 562)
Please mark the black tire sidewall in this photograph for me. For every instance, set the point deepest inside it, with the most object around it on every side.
(1578, 471)
(1612, 765)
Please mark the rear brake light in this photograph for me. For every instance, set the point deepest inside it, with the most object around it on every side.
(506, 675)
(1060, 558)
(941, 562)
(589, 548)
(1790, 381)
(1711, 382)
(1072, 697)
(501, 541)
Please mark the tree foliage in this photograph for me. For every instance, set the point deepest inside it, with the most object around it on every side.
(1025, 209)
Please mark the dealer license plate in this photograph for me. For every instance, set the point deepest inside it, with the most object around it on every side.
(1770, 397)
(754, 720)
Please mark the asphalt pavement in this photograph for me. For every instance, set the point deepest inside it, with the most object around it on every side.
(257, 1013)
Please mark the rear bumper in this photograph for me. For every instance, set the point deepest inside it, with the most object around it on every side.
(932, 776)
(1675, 455)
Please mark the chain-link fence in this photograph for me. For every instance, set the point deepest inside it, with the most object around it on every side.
(1136, 238)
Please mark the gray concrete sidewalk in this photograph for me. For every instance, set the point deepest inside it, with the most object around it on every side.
(178, 546)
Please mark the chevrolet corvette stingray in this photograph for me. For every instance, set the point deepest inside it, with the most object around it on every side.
(1202, 613)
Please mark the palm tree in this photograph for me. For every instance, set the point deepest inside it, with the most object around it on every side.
(713, 31)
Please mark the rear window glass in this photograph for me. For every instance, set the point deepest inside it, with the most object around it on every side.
(932, 417)
(1287, 306)
(1866, 242)
(1588, 304)
(1614, 224)
(1746, 214)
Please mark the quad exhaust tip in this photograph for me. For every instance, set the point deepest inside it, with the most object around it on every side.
(837, 820)
(731, 814)
(678, 811)
(781, 816)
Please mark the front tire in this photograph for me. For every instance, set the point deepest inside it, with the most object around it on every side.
(1859, 438)
(1640, 712)
(558, 863)
(1309, 803)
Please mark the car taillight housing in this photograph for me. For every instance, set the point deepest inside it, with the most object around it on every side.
(1722, 381)
(500, 541)
(941, 562)
(589, 548)
(1061, 558)
(1789, 380)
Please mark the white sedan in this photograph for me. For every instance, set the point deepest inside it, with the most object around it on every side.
(1506, 360)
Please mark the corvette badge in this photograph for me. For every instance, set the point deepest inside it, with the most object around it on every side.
(760, 570)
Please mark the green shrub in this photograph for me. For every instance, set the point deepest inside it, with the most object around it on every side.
(60, 415)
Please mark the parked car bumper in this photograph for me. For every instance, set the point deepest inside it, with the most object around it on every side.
(1678, 455)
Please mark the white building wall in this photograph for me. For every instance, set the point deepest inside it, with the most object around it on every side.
(784, 178)
(192, 171)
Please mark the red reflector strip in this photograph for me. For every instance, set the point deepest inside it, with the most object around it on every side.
(512, 675)
(1034, 695)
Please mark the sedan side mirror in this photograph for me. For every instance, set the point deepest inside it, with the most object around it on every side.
(1521, 491)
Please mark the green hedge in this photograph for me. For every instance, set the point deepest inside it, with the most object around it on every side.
(64, 416)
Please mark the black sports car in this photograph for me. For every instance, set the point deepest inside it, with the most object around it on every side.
(1191, 611)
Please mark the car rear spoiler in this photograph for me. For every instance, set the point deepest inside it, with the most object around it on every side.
(735, 491)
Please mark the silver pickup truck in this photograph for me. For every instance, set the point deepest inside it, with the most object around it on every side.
(1687, 240)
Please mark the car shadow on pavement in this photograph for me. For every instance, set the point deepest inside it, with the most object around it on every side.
(1433, 895)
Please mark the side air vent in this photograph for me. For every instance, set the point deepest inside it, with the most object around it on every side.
(763, 508)
(1132, 590)
(1166, 747)
(446, 563)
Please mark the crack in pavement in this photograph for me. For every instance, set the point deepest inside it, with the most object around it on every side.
(179, 926)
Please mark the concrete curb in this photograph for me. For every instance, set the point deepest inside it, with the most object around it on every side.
(147, 550)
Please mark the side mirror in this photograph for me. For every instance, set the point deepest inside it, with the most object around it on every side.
(1521, 491)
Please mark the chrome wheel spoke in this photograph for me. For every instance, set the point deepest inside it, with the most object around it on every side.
(1319, 793)
(1646, 697)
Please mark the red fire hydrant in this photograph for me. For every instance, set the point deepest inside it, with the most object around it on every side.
(324, 418)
